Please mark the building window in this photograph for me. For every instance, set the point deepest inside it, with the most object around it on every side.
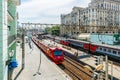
(8, 31)
(92, 10)
(101, 5)
(105, 5)
(114, 52)
(118, 53)
(109, 50)
(112, 7)
(100, 48)
(9, 28)
(104, 49)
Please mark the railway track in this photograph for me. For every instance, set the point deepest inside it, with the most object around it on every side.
(115, 62)
(76, 70)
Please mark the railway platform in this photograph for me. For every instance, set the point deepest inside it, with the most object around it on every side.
(47, 71)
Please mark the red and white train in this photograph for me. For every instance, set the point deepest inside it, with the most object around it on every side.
(54, 53)
(113, 52)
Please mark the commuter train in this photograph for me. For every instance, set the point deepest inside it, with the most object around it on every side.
(113, 52)
(56, 54)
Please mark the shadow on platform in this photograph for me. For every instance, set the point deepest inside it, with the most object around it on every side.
(18, 74)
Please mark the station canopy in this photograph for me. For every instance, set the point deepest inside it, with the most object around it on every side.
(84, 36)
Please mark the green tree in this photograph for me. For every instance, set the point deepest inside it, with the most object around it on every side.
(48, 30)
(55, 30)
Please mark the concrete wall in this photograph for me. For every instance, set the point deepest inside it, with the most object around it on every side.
(3, 39)
(102, 38)
(6, 5)
(12, 23)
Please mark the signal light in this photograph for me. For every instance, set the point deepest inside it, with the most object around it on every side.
(97, 60)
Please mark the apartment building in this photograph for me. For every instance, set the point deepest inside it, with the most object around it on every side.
(8, 27)
(100, 15)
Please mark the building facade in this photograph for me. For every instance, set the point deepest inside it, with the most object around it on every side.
(100, 16)
(8, 27)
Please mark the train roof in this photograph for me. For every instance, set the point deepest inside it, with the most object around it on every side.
(55, 48)
(78, 41)
(103, 45)
(56, 37)
(50, 44)
(108, 46)
(60, 38)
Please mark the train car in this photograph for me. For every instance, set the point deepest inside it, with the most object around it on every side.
(98, 49)
(75, 43)
(82, 44)
(90, 47)
(111, 51)
(64, 42)
(57, 40)
(61, 41)
(54, 53)
(94, 48)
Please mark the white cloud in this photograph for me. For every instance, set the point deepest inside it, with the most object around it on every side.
(84, 3)
(46, 11)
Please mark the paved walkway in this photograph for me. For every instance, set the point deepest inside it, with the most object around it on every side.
(48, 70)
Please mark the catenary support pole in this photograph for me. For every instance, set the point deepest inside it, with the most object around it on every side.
(111, 70)
(23, 50)
(106, 68)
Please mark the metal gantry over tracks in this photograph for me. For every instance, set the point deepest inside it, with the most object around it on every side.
(72, 28)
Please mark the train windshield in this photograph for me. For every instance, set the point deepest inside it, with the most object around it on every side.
(58, 52)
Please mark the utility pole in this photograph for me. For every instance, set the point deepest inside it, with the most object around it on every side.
(106, 68)
(23, 49)
(111, 70)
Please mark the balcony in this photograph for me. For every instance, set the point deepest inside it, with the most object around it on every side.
(17, 2)
(11, 40)
(10, 17)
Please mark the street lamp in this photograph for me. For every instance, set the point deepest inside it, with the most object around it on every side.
(12, 64)
(11, 54)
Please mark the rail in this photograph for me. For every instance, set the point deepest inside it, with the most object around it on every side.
(76, 69)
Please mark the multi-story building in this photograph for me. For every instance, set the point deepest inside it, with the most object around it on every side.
(8, 27)
(100, 15)
(66, 24)
(70, 22)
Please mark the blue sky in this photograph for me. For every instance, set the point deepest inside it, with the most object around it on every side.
(47, 11)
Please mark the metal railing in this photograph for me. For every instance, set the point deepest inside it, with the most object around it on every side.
(11, 39)
(10, 14)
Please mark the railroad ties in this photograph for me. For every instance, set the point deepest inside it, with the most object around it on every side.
(76, 70)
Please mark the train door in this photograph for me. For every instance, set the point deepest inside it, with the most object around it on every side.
(93, 48)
